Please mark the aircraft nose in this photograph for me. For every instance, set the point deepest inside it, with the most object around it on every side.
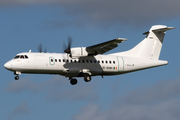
(7, 65)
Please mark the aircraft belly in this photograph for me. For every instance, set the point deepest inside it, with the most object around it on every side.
(76, 70)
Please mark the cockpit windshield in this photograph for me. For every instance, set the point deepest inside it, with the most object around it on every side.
(21, 57)
(16, 57)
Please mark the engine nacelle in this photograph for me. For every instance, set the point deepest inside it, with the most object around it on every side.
(78, 52)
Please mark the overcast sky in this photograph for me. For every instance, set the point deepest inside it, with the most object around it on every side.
(108, 13)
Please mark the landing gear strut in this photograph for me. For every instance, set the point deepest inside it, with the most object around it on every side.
(17, 75)
(73, 81)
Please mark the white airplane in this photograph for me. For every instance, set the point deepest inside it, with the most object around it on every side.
(86, 61)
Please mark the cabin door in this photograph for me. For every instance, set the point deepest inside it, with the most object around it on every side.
(120, 64)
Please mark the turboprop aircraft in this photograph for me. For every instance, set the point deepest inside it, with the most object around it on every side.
(89, 61)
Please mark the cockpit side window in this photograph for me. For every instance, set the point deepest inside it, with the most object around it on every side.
(16, 57)
(26, 56)
(21, 57)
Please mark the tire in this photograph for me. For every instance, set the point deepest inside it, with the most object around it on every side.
(16, 77)
(87, 78)
(73, 81)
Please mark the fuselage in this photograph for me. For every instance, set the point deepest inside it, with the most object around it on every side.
(62, 64)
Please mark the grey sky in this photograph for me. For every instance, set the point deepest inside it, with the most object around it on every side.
(160, 101)
(21, 109)
(109, 13)
(57, 89)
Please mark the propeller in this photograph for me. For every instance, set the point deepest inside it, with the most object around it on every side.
(40, 48)
(68, 48)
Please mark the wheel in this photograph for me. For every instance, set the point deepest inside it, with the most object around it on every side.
(16, 77)
(73, 81)
(87, 78)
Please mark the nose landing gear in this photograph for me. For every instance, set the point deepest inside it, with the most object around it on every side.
(17, 75)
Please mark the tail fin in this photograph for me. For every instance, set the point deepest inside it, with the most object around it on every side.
(151, 46)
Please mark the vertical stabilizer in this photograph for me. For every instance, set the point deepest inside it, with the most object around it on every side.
(151, 46)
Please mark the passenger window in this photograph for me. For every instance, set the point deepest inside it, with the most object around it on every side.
(102, 61)
(71, 60)
(110, 62)
(83, 61)
(94, 61)
(67, 61)
(55, 60)
(114, 62)
(51, 60)
(75, 61)
(59, 60)
(87, 61)
(91, 61)
(63, 60)
(98, 61)
(106, 61)
(79, 61)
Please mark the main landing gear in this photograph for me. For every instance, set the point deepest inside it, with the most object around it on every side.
(17, 75)
(73, 81)
(87, 78)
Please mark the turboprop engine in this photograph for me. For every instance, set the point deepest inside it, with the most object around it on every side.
(78, 52)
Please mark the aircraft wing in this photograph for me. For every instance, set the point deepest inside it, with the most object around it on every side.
(104, 47)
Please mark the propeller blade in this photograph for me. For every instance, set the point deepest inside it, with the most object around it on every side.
(69, 42)
(40, 48)
(68, 49)
(45, 50)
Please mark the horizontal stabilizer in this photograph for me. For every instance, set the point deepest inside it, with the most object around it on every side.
(159, 28)
(163, 29)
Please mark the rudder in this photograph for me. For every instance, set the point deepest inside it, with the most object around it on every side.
(155, 37)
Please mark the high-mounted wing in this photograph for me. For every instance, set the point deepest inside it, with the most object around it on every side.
(104, 47)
